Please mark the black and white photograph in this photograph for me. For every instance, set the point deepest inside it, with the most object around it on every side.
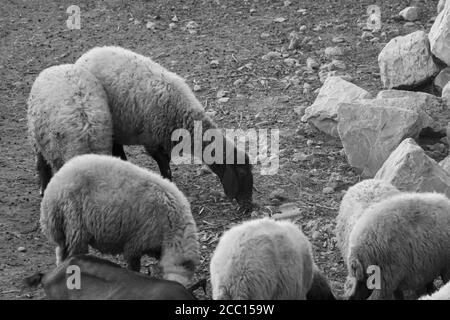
(231, 150)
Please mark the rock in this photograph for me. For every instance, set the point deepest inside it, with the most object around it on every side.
(223, 100)
(306, 88)
(406, 61)
(445, 164)
(322, 114)
(192, 25)
(409, 169)
(300, 157)
(439, 35)
(311, 64)
(446, 94)
(150, 25)
(327, 190)
(238, 82)
(175, 19)
(315, 235)
(338, 39)
(371, 129)
(441, 5)
(21, 249)
(309, 142)
(290, 61)
(410, 13)
(433, 110)
(271, 55)
(279, 19)
(211, 114)
(214, 63)
(279, 194)
(366, 35)
(294, 40)
(300, 110)
(197, 88)
(334, 51)
(442, 79)
(264, 35)
(222, 93)
(172, 25)
(303, 28)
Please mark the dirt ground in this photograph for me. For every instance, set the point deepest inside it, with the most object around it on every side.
(34, 36)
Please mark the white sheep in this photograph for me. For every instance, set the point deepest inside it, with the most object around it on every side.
(355, 201)
(68, 115)
(148, 103)
(118, 207)
(442, 294)
(406, 236)
(262, 259)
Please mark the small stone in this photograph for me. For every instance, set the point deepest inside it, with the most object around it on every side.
(315, 235)
(252, 10)
(410, 13)
(338, 39)
(172, 25)
(306, 88)
(366, 35)
(238, 82)
(264, 35)
(222, 93)
(197, 87)
(300, 157)
(328, 190)
(334, 51)
(279, 19)
(175, 19)
(278, 194)
(311, 64)
(211, 114)
(309, 142)
(303, 28)
(223, 100)
(317, 28)
(214, 63)
(271, 55)
(21, 249)
(291, 61)
(150, 25)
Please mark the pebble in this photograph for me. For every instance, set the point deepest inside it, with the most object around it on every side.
(223, 100)
(328, 190)
(214, 63)
(21, 249)
(309, 142)
(197, 87)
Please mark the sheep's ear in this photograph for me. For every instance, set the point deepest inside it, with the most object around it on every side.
(230, 182)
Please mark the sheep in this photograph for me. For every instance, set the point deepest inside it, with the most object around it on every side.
(355, 201)
(118, 207)
(148, 103)
(100, 279)
(68, 115)
(262, 259)
(442, 294)
(406, 236)
(320, 287)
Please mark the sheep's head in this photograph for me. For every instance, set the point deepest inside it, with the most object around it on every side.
(356, 284)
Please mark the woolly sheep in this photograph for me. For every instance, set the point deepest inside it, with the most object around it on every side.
(357, 199)
(262, 259)
(148, 103)
(68, 115)
(118, 207)
(408, 237)
(442, 294)
(104, 280)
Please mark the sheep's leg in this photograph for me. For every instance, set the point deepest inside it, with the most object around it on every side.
(117, 151)
(61, 255)
(163, 160)
(44, 171)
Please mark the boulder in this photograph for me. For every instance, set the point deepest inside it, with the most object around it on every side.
(322, 114)
(426, 104)
(409, 169)
(440, 35)
(442, 79)
(406, 62)
(371, 129)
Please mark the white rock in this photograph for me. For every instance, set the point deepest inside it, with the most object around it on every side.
(294, 40)
(150, 25)
(371, 129)
(279, 20)
(446, 94)
(442, 79)
(311, 63)
(440, 35)
(271, 55)
(192, 25)
(406, 61)
(21, 249)
(322, 114)
(223, 100)
(410, 13)
(334, 51)
(441, 5)
(409, 169)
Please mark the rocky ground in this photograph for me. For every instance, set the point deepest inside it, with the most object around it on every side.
(236, 56)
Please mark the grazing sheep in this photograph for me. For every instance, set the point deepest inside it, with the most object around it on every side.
(442, 294)
(104, 280)
(118, 207)
(407, 236)
(148, 103)
(320, 287)
(262, 259)
(68, 115)
(357, 199)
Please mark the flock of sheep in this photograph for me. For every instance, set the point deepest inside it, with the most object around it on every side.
(80, 116)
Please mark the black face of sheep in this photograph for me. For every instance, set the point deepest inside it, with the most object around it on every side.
(237, 182)
(357, 289)
(320, 288)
